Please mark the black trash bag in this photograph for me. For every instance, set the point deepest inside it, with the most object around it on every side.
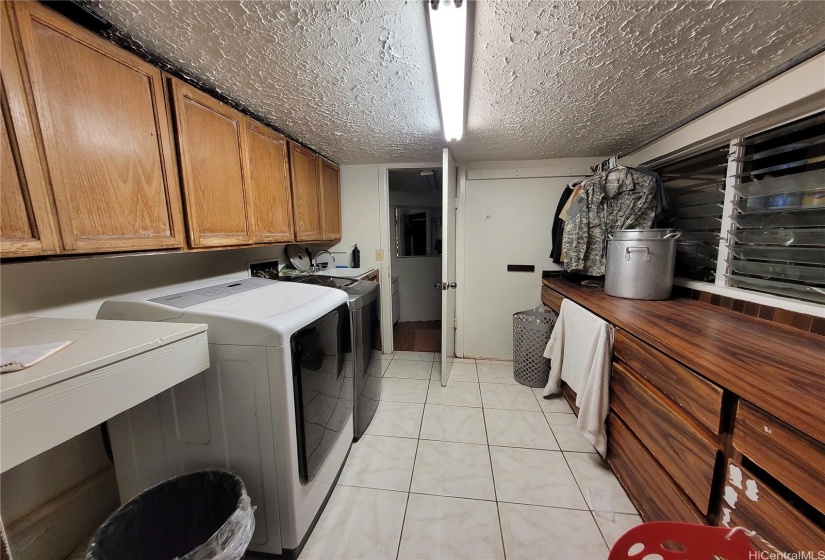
(204, 515)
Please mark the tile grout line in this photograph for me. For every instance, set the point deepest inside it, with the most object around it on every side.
(492, 471)
(544, 414)
(593, 515)
(576, 480)
(409, 488)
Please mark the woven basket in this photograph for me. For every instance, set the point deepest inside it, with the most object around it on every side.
(531, 331)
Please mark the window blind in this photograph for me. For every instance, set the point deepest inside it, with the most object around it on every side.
(777, 241)
(695, 187)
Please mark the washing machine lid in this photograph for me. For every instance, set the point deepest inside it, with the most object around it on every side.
(246, 311)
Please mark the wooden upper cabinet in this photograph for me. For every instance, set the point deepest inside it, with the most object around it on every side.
(27, 225)
(306, 193)
(330, 200)
(267, 171)
(211, 148)
(105, 135)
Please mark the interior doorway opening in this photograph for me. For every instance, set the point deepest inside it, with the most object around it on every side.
(416, 218)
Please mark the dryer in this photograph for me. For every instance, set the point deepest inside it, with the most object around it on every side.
(275, 405)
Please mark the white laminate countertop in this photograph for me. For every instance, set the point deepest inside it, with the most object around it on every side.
(110, 367)
(346, 272)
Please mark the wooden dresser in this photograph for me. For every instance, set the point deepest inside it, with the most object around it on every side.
(715, 417)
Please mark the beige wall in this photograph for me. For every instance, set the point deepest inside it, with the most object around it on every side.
(359, 212)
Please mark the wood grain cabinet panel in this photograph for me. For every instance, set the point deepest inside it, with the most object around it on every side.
(752, 504)
(106, 137)
(330, 177)
(27, 222)
(653, 492)
(306, 193)
(794, 459)
(695, 395)
(776, 367)
(267, 166)
(211, 148)
(551, 298)
(683, 452)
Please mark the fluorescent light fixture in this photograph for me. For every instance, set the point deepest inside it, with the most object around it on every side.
(448, 30)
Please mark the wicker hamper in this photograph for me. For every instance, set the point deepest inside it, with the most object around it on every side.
(531, 331)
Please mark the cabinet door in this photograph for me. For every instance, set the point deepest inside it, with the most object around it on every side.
(211, 147)
(27, 225)
(306, 193)
(330, 200)
(106, 137)
(267, 167)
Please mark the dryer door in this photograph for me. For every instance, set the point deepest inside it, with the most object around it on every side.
(323, 393)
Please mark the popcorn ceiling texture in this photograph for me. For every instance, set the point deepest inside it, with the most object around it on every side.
(550, 79)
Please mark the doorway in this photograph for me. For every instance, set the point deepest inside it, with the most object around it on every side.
(415, 222)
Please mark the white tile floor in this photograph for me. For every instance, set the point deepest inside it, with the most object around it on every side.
(483, 468)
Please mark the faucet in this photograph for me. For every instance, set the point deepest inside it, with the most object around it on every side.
(314, 267)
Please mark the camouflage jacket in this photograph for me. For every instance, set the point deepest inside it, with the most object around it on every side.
(621, 198)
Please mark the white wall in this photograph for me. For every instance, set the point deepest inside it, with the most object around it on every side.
(360, 213)
(63, 494)
(76, 287)
(419, 301)
(506, 212)
(361, 190)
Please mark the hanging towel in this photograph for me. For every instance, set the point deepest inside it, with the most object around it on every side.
(579, 348)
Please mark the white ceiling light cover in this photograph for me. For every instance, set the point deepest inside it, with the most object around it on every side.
(448, 32)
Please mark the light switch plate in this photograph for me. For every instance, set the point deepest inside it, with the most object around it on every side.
(379, 255)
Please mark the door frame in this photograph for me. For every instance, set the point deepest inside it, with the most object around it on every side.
(384, 225)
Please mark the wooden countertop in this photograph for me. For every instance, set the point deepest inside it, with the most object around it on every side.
(776, 367)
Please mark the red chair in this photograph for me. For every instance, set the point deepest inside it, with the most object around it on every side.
(684, 541)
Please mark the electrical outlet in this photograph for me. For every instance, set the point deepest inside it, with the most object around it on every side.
(379, 255)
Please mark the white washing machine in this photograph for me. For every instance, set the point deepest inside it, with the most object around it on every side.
(274, 407)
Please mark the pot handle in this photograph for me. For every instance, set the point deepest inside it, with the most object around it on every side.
(674, 235)
(629, 249)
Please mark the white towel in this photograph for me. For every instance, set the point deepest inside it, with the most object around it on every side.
(579, 348)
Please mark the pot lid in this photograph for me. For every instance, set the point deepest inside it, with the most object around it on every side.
(298, 257)
(624, 234)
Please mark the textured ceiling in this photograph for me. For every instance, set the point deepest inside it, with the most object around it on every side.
(354, 80)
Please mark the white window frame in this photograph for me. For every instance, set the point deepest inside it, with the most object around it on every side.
(720, 285)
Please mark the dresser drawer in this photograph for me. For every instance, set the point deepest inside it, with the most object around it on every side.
(749, 503)
(794, 459)
(551, 298)
(652, 491)
(694, 394)
(680, 448)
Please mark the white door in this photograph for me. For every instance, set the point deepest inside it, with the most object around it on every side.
(448, 285)
(506, 221)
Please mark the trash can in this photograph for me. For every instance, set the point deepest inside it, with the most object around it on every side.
(204, 515)
(531, 331)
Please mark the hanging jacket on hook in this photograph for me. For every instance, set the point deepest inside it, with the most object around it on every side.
(621, 198)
